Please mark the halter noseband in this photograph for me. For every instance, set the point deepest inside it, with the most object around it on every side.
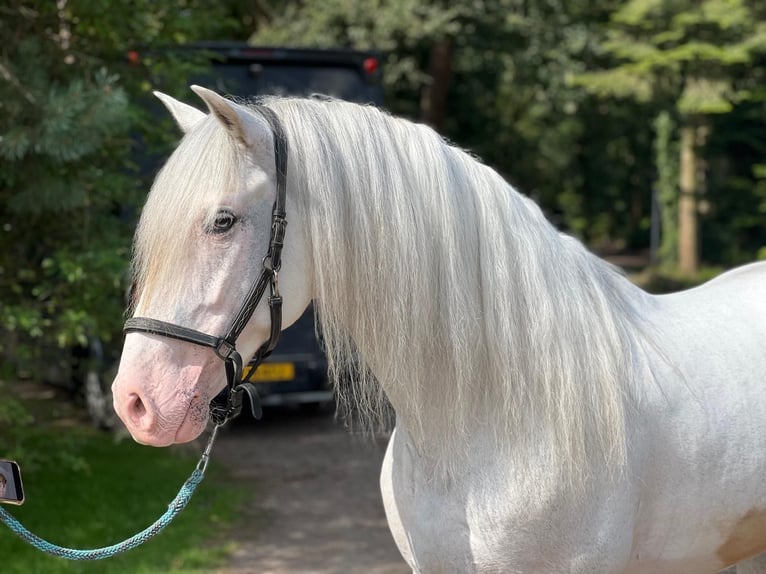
(228, 404)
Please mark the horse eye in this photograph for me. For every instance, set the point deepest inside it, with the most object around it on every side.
(224, 220)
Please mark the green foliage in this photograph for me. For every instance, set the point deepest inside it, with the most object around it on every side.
(511, 99)
(15, 421)
(72, 113)
(61, 187)
(402, 29)
(733, 224)
(558, 95)
(695, 61)
(683, 51)
(87, 491)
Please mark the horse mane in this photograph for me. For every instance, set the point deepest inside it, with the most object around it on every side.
(436, 279)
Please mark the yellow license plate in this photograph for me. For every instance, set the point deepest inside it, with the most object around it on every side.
(271, 372)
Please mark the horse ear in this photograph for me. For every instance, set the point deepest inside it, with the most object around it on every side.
(240, 123)
(185, 116)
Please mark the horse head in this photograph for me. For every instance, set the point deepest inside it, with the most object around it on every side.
(198, 249)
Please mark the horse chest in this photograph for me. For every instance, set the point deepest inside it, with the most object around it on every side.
(486, 527)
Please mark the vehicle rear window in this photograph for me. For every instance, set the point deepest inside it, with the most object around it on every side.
(294, 79)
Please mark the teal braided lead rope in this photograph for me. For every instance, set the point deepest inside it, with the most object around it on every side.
(174, 508)
(178, 504)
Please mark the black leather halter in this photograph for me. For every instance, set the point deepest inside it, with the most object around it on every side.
(228, 404)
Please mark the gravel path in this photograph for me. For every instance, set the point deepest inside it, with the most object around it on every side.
(316, 503)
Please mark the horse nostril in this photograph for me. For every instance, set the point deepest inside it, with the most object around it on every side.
(139, 407)
(136, 409)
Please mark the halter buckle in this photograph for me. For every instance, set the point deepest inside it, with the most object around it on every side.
(274, 286)
(224, 349)
(278, 230)
(205, 458)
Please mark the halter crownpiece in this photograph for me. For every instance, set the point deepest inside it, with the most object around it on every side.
(228, 404)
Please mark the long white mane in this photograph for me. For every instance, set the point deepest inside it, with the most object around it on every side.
(434, 278)
(456, 292)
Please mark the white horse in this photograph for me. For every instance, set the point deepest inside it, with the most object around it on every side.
(551, 417)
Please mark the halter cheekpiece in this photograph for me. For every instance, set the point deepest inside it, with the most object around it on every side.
(228, 404)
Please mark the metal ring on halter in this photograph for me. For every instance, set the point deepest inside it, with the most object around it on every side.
(268, 264)
(205, 458)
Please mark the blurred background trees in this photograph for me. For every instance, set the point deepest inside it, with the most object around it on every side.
(692, 59)
(595, 108)
(72, 112)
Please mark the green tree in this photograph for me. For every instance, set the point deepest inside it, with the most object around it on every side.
(689, 57)
(581, 159)
(493, 76)
(71, 113)
(735, 208)
(416, 35)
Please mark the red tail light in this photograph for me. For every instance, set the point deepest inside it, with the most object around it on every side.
(370, 65)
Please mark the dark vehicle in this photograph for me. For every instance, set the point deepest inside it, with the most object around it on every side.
(296, 372)
(246, 71)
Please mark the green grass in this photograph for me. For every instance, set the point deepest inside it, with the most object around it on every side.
(83, 490)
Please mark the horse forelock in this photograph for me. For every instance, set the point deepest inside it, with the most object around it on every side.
(206, 164)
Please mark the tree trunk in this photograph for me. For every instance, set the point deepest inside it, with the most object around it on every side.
(433, 98)
(688, 235)
(666, 161)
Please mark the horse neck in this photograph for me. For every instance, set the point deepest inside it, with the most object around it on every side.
(462, 301)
